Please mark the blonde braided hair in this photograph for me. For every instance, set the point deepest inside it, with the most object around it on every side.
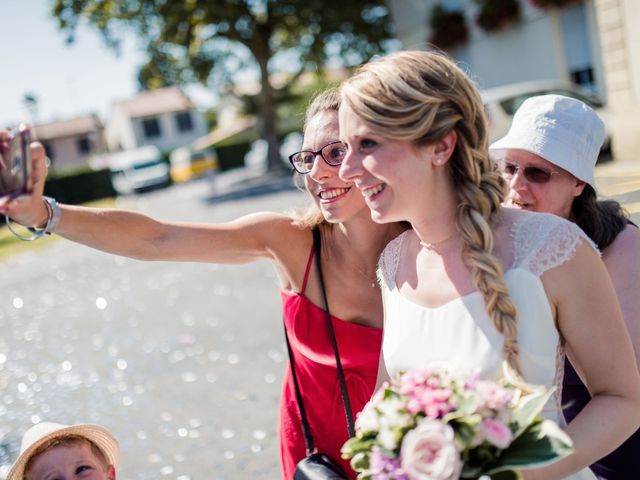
(420, 97)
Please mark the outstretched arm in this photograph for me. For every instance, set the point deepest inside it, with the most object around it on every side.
(138, 236)
(590, 321)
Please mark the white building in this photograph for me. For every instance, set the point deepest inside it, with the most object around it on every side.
(165, 117)
(594, 43)
(71, 142)
(542, 44)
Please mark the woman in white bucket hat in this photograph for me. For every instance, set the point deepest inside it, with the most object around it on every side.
(66, 452)
(548, 157)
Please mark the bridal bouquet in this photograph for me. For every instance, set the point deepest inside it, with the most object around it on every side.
(436, 423)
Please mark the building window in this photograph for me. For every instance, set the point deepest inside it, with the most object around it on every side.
(183, 121)
(151, 127)
(84, 146)
(583, 77)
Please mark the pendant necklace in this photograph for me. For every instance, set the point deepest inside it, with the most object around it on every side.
(373, 280)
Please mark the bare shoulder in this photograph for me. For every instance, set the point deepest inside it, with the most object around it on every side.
(582, 272)
(626, 244)
(622, 257)
(289, 245)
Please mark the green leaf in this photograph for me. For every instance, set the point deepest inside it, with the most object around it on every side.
(464, 433)
(356, 445)
(528, 409)
(360, 461)
(541, 444)
(507, 475)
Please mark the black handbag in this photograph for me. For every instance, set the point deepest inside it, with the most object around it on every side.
(316, 465)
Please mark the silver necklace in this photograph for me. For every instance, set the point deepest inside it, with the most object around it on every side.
(373, 280)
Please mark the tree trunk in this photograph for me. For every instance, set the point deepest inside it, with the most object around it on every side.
(269, 120)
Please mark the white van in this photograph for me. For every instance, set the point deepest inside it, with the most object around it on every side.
(138, 169)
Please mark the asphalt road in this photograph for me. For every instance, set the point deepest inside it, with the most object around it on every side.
(182, 361)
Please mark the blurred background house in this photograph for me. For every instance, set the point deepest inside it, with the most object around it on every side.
(166, 118)
(71, 143)
(591, 43)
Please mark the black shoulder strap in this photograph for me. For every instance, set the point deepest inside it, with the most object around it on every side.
(343, 385)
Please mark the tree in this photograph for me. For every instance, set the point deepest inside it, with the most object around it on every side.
(30, 102)
(210, 41)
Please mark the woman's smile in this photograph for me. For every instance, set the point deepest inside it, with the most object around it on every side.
(330, 195)
(371, 193)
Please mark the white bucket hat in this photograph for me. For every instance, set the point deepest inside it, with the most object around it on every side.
(44, 432)
(562, 130)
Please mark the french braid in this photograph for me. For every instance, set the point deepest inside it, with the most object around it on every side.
(420, 97)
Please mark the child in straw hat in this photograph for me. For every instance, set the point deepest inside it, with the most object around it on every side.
(66, 452)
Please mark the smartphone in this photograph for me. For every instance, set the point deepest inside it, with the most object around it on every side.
(15, 164)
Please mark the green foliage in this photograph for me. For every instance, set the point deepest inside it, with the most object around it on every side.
(209, 42)
(232, 155)
(541, 443)
(449, 28)
(211, 116)
(80, 186)
(496, 14)
(554, 3)
(528, 409)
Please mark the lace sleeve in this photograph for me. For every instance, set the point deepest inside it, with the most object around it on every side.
(545, 241)
(388, 262)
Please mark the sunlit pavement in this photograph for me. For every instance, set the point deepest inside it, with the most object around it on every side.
(182, 361)
(620, 180)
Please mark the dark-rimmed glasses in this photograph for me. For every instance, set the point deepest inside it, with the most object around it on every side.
(332, 153)
(532, 173)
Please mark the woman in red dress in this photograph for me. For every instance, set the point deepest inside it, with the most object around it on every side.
(351, 244)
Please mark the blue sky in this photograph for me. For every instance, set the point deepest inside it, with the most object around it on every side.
(84, 77)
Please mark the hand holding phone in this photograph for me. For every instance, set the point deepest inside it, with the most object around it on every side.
(15, 163)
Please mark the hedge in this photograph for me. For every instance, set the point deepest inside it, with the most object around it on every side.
(232, 156)
(80, 186)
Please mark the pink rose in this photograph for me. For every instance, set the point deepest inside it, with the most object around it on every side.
(429, 452)
(496, 432)
(493, 395)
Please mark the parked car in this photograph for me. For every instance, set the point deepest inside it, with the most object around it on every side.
(138, 169)
(501, 103)
(187, 164)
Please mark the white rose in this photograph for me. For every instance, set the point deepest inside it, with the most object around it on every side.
(368, 420)
(429, 452)
(393, 413)
(387, 438)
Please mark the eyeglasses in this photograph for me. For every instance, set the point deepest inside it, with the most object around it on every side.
(332, 153)
(531, 173)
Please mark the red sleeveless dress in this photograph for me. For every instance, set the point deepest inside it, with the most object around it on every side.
(315, 365)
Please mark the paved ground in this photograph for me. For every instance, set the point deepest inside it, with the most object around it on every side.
(621, 180)
(182, 361)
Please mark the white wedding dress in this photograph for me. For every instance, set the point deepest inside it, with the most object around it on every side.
(460, 331)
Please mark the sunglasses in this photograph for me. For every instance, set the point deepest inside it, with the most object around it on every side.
(332, 153)
(531, 173)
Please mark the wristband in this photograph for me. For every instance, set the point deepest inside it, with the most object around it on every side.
(53, 218)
